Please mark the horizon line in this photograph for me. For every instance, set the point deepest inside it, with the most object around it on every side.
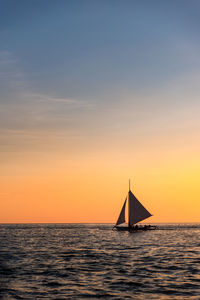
(94, 223)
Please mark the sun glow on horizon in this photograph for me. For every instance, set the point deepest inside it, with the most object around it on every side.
(93, 190)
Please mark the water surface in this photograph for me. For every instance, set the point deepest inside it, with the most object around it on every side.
(81, 261)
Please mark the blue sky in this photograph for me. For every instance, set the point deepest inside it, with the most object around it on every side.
(97, 68)
(84, 48)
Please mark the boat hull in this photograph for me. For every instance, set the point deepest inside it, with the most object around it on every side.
(135, 229)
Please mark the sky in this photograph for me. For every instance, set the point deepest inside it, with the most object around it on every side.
(93, 93)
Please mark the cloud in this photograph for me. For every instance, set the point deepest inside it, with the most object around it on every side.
(46, 99)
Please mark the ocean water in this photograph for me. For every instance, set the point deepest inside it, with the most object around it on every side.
(90, 261)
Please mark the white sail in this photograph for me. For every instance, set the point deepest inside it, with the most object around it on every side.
(137, 212)
(121, 218)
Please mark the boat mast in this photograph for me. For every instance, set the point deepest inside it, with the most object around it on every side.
(129, 203)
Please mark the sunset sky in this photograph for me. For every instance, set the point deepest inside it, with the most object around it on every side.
(93, 93)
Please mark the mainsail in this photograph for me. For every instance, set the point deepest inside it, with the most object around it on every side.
(137, 212)
(121, 218)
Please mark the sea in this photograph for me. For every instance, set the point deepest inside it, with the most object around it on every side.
(92, 261)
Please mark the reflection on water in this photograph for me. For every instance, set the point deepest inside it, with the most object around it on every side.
(63, 261)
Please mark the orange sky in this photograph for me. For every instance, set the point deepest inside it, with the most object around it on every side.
(91, 187)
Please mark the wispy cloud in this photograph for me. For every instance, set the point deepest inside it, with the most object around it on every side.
(46, 99)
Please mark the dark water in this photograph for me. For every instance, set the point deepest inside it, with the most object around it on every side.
(92, 261)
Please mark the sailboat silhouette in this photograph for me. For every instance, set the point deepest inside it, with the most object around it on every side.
(136, 213)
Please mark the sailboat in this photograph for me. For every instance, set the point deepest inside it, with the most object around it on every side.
(136, 213)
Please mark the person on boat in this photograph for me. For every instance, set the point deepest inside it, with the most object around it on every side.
(132, 227)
